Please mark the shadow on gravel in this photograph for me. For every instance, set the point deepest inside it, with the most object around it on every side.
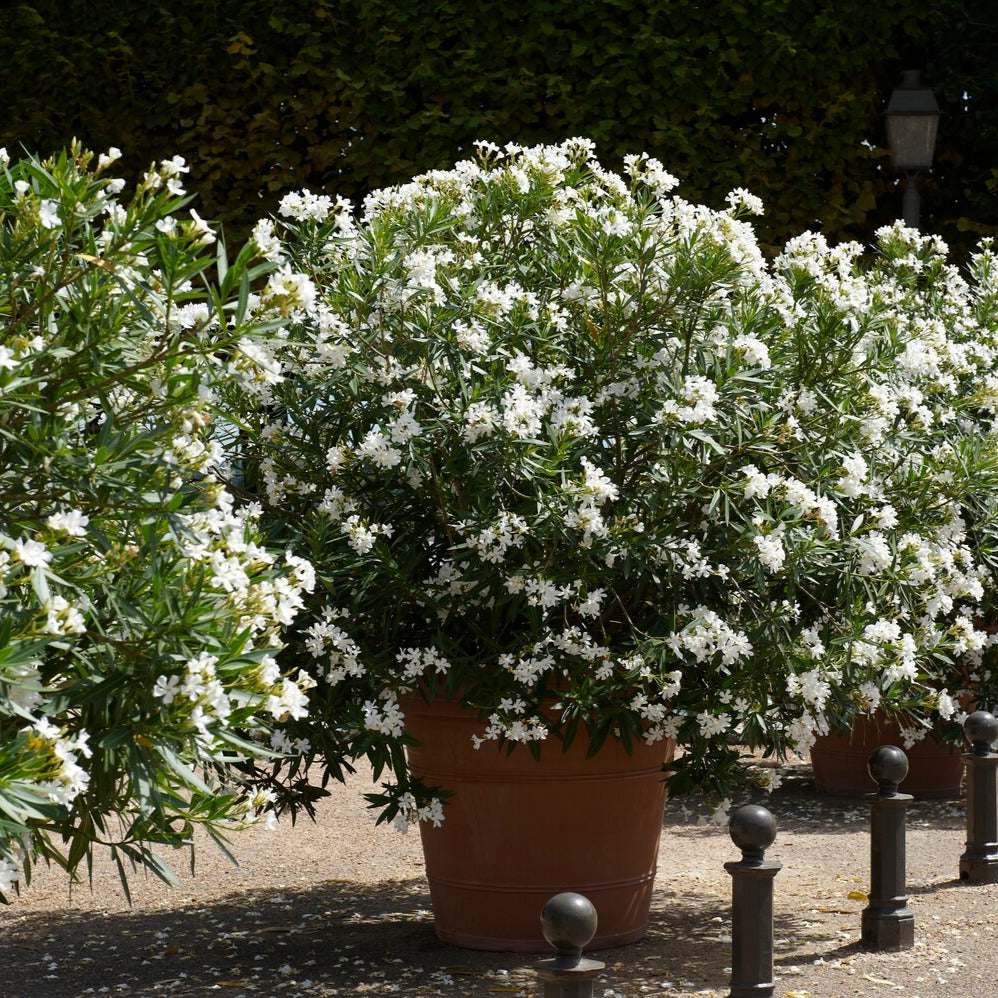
(337, 934)
(798, 807)
(336, 938)
(940, 887)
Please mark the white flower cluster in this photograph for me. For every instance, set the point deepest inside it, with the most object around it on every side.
(493, 542)
(69, 779)
(708, 638)
(511, 723)
(337, 655)
(224, 540)
(416, 662)
(698, 398)
(385, 717)
(410, 812)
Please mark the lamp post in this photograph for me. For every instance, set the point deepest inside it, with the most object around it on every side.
(912, 121)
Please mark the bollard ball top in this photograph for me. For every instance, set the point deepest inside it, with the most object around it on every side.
(888, 765)
(568, 922)
(752, 829)
(981, 727)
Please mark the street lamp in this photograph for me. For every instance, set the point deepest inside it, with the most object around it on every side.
(912, 120)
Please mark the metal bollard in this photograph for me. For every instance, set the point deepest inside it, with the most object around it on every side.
(888, 923)
(979, 863)
(753, 830)
(568, 922)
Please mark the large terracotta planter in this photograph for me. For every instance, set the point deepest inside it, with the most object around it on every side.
(935, 769)
(519, 830)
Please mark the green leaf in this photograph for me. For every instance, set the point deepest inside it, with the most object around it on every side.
(39, 583)
(186, 774)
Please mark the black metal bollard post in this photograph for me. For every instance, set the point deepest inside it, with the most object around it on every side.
(568, 922)
(979, 863)
(888, 923)
(753, 830)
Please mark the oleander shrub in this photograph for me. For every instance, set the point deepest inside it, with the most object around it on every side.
(562, 444)
(140, 609)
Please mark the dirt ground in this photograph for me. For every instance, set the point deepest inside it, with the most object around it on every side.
(341, 907)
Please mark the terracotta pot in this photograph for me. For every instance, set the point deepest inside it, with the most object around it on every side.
(935, 769)
(519, 830)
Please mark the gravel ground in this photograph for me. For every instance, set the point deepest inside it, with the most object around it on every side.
(341, 908)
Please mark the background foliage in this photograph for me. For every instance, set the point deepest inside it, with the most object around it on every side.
(350, 95)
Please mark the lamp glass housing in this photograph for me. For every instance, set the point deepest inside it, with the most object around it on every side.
(912, 123)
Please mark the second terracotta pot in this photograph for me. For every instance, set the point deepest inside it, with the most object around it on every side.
(935, 768)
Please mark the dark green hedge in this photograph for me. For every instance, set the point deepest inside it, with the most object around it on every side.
(781, 96)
